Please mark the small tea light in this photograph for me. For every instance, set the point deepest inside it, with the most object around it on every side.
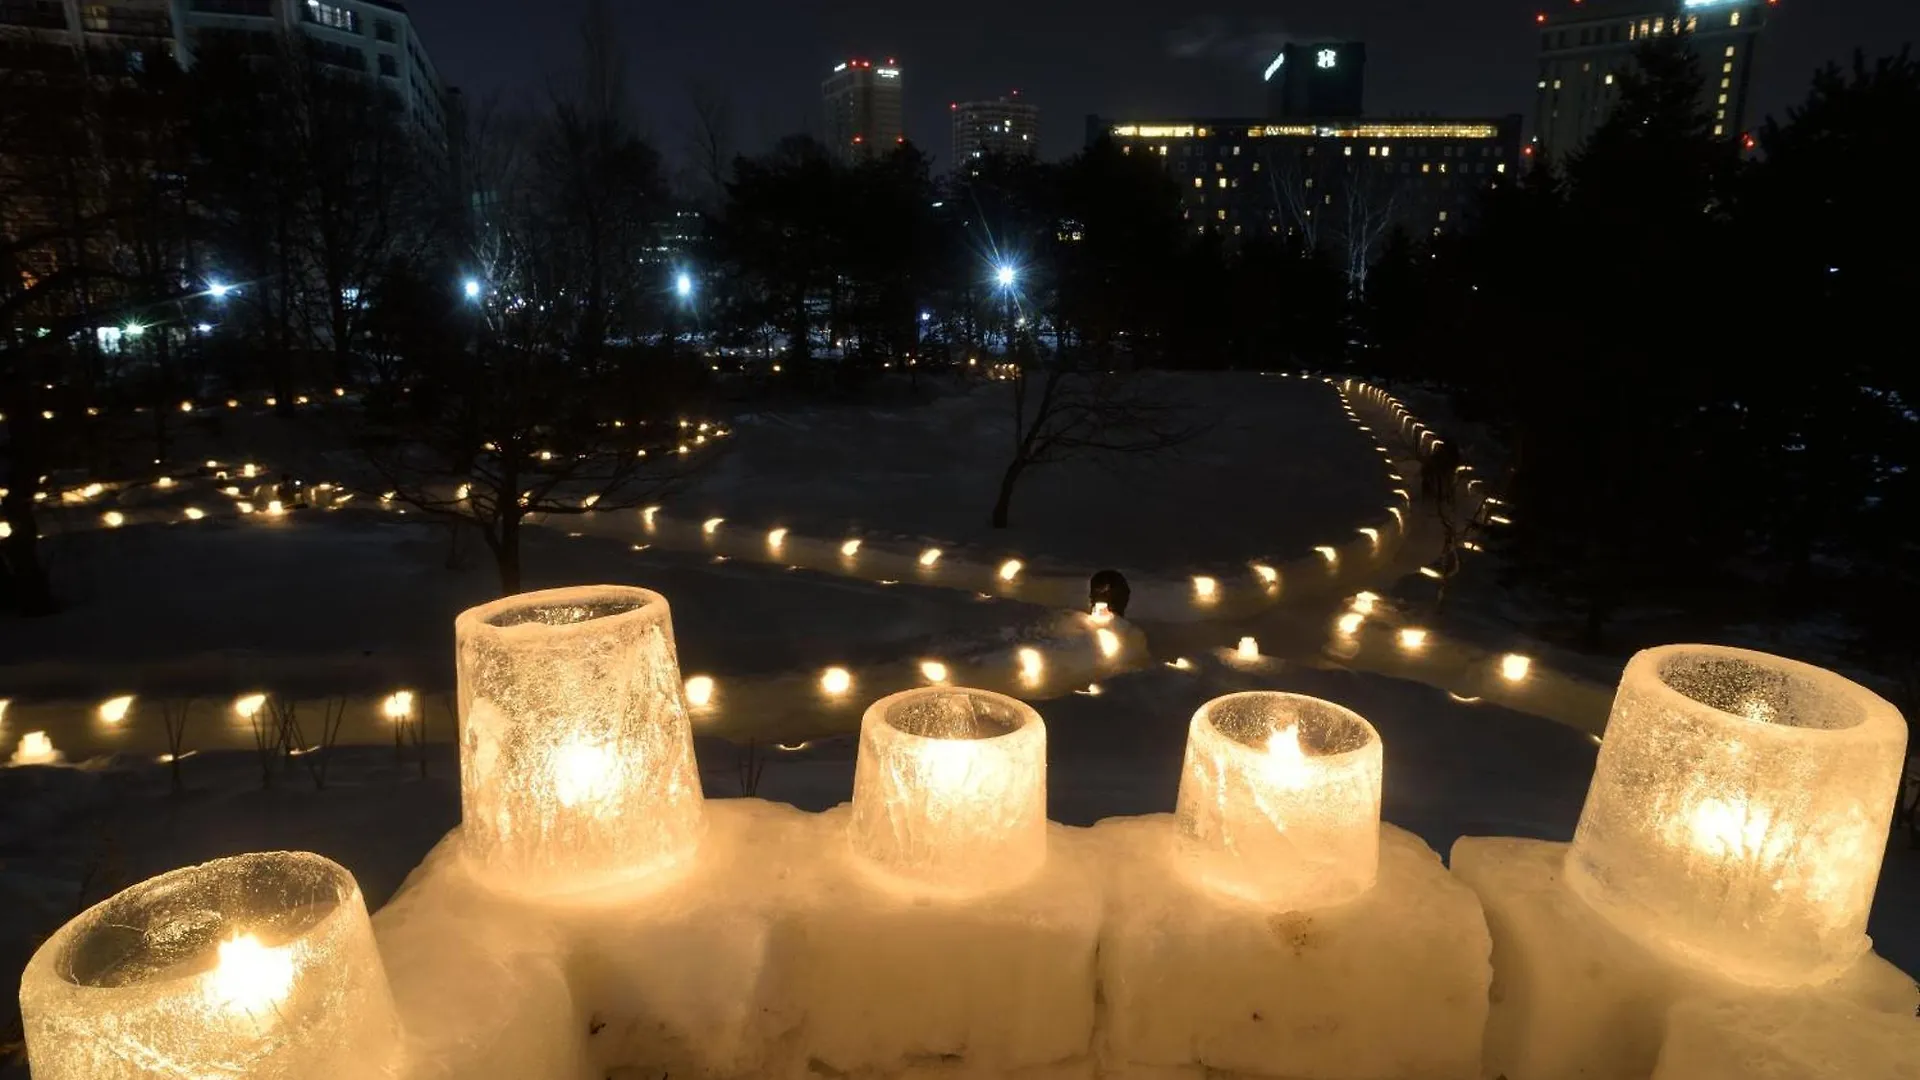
(1329, 554)
(1205, 588)
(114, 710)
(576, 763)
(1412, 638)
(35, 748)
(647, 515)
(1739, 811)
(1350, 623)
(929, 557)
(1363, 601)
(836, 681)
(1101, 614)
(949, 790)
(711, 525)
(776, 538)
(700, 691)
(850, 548)
(1011, 569)
(1248, 649)
(1108, 641)
(1514, 667)
(113, 519)
(933, 671)
(257, 965)
(1267, 574)
(1280, 800)
(1032, 665)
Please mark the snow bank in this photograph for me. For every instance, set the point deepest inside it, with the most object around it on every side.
(1574, 996)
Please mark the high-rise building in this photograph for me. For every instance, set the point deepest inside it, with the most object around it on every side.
(1007, 127)
(1584, 51)
(1339, 185)
(1323, 81)
(864, 111)
(372, 38)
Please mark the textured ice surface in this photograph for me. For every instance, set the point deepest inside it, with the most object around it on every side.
(889, 976)
(1739, 811)
(1574, 996)
(260, 966)
(1280, 800)
(950, 790)
(1393, 984)
(576, 757)
(1797, 1038)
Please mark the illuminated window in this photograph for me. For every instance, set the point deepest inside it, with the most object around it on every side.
(1735, 20)
(1633, 32)
(1196, 182)
(1726, 84)
(337, 18)
(1500, 168)
(1718, 130)
(1223, 182)
(1722, 101)
(1223, 215)
(1347, 151)
(1256, 166)
(1443, 168)
(1236, 151)
(1609, 80)
(1660, 25)
(1309, 183)
(1443, 215)
(1693, 23)
(1556, 84)
(1730, 50)
(1425, 168)
(1588, 66)
(1543, 84)
(1726, 68)
(1126, 149)
(1163, 151)
(1720, 114)
(1236, 230)
(1386, 151)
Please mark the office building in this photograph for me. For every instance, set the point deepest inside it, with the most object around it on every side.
(372, 38)
(1321, 81)
(864, 110)
(1006, 127)
(1584, 50)
(1338, 185)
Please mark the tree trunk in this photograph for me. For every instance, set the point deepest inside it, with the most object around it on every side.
(1004, 504)
(507, 555)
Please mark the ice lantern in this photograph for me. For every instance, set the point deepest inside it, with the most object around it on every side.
(950, 789)
(1739, 811)
(576, 755)
(260, 966)
(1280, 800)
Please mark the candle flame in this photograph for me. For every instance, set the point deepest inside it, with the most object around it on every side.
(1248, 649)
(114, 710)
(700, 691)
(1031, 664)
(929, 556)
(934, 671)
(1268, 575)
(1514, 667)
(398, 705)
(850, 548)
(776, 537)
(250, 977)
(249, 705)
(836, 681)
(1350, 623)
(1286, 763)
(1011, 569)
(1413, 637)
(583, 772)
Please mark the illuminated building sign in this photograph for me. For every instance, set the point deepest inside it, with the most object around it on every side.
(1328, 58)
(888, 73)
(1273, 67)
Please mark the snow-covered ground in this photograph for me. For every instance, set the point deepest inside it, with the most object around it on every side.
(355, 603)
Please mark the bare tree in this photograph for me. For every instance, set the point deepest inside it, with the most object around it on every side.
(1060, 413)
(710, 143)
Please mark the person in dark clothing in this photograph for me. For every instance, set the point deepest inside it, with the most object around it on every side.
(1109, 587)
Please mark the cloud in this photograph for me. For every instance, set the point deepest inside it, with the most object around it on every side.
(1219, 39)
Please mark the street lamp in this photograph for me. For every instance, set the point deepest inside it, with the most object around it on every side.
(472, 288)
(133, 329)
(218, 289)
(1006, 275)
(683, 285)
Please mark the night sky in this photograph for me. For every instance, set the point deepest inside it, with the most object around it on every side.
(1128, 58)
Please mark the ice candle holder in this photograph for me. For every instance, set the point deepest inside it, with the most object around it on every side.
(950, 789)
(1280, 800)
(260, 966)
(576, 754)
(1739, 811)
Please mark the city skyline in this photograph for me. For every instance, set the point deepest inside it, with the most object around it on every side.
(1150, 61)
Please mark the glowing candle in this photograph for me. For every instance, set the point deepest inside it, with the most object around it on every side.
(1350, 623)
(576, 754)
(933, 671)
(114, 710)
(647, 516)
(1739, 811)
(398, 705)
(836, 681)
(949, 790)
(1101, 614)
(711, 525)
(35, 749)
(1205, 588)
(260, 966)
(1248, 649)
(113, 519)
(1280, 800)
(1011, 569)
(850, 548)
(1514, 667)
(775, 538)
(1328, 554)
(1413, 639)
(700, 691)
(930, 556)
(1032, 665)
(1267, 574)
(1363, 601)
(1108, 641)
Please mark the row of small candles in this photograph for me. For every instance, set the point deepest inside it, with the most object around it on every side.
(578, 773)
